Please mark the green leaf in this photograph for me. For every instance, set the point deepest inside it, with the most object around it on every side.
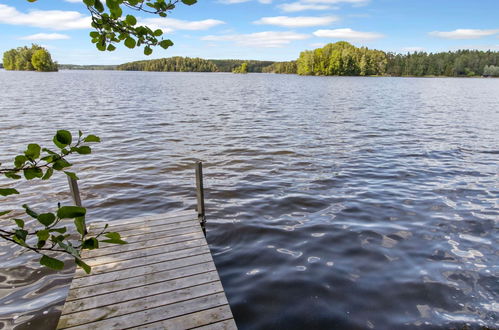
(92, 138)
(21, 234)
(33, 172)
(130, 20)
(89, 3)
(69, 212)
(51, 262)
(69, 248)
(101, 45)
(8, 191)
(20, 160)
(114, 238)
(33, 151)
(189, 2)
(147, 50)
(99, 6)
(90, 244)
(59, 164)
(94, 34)
(49, 151)
(48, 173)
(43, 235)
(5, 212)
(12, 175)
(40, 244)
(111, 47)
(30, 212)
(61, 230)
(72, 175)
(18, 240)
(166, 43)
(81, 226)
(58, 239)
(157, 33)
(130, 42)
(19, 223)
(83, 150)
(46, 219)
(83, 265)
(62, 138)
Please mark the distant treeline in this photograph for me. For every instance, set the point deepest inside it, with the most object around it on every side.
(86, 67)
(344, 59)
(188, 64)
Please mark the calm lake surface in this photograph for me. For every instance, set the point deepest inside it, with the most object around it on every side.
(332, 202)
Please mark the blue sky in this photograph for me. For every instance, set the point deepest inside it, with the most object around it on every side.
(261, 29)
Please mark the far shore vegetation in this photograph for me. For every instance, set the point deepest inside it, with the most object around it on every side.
(35, 58)
(334, 59)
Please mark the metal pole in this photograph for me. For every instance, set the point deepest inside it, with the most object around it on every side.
(75, 192)
(200, 195)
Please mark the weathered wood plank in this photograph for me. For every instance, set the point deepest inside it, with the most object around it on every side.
(129, 283)
(210, 316)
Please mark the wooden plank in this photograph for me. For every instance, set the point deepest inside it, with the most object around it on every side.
(127, 283)
(210, 316)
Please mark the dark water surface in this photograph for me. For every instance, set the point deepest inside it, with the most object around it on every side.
(333, 202)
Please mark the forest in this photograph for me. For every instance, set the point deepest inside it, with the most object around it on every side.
(34, 58)
(188, 64)
(344, 59)
(334, 59)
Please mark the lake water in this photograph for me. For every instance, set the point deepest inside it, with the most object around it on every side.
(332, 202)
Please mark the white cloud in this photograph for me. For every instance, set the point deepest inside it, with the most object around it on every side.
(265, 39)
(300, 21)
(171, 24)
(298, 6)
(464, 34)
(50, 19)
(347, 34)
(412, 49)
(45, 36)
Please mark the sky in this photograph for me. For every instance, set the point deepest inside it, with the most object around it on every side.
(276, 30)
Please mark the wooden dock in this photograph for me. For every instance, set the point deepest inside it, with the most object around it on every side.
(164, 278)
